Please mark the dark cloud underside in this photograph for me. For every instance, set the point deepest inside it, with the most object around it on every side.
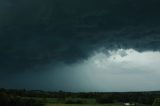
(36, 32)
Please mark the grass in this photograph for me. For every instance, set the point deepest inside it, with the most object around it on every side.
(85, 102)
(84, 105)
(59, 101)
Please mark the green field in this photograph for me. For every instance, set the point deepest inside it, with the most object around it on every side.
(40, 98)
(57, 101)
(84, 105)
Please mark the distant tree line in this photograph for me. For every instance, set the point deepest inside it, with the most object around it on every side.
(12, 100)
(14, 97)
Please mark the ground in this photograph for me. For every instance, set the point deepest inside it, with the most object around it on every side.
(84, 105)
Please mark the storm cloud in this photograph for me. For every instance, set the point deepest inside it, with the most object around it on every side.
(37, 32)
(102, 71)
(43, 42)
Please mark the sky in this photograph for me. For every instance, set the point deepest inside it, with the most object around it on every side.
(80, 45)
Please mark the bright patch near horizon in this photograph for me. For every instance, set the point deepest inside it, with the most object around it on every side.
(119, 70)
(126, 59)
(114, 70)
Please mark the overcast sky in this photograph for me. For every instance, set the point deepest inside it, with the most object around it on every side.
(76, 45)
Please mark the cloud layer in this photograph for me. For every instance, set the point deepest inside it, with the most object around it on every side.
(37, 32)
(103, 71)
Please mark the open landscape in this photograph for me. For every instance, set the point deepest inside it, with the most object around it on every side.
(61, 98)
(84, 105)
(79, 52)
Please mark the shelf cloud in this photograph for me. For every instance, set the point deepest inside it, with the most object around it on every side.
(38, 35)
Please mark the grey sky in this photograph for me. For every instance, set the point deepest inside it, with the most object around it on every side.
(80, 45)
(112, 71)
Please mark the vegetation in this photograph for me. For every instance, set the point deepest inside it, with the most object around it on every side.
(84, 105)
(10, 100)
(156, 102)
(40, 98)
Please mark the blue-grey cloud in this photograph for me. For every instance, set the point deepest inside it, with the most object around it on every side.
(102, 71)
(37, 32)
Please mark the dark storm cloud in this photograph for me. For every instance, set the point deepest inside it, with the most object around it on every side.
(36, 32)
